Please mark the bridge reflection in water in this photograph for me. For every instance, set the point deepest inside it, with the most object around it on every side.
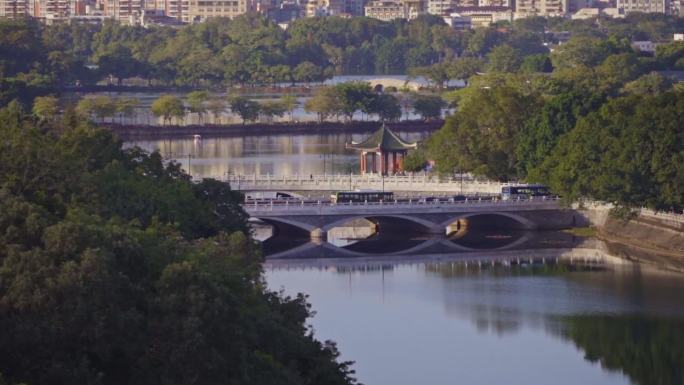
(392, 237)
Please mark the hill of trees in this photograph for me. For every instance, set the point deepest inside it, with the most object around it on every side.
(116, 269)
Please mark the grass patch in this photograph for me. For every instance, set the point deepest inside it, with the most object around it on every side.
(586, 232)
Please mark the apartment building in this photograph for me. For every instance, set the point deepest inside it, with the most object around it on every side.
(123, 10)
(545, 8)
(324, 8)
(385, 10)
(203, 9)
(14, 9)
(645, 6)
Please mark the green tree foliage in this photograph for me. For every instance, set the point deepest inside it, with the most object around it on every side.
(386, 106)
(536, 63)
(272, 109)
(290, 103)
(556, 117)
(586, 51)
(116, 269)
(481, 136)
(247, 109)
(652, 83)
(168, 107)
(325, 103)
(416, 160)
(353, 97)
(196, 103)
(102, 106)
(46, 107)
(504, 58)
(629, 152)
(429, 106)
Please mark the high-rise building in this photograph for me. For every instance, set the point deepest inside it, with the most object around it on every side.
(204, 9)
(394, 9)
(14, 9)
(178, 9)
(645, 6)
(546, 8)
(123, 10)
(49, 10)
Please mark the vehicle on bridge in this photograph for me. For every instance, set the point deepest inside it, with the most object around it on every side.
(525, 191)
(361, 196)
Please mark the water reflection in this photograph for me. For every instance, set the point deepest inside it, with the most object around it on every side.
(489, 323)
(274, 154)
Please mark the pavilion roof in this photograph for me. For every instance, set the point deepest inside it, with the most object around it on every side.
(383, 139)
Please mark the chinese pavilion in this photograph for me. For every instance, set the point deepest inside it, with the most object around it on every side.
(383, 152)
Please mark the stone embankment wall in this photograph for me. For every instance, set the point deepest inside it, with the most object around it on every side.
(648, 238)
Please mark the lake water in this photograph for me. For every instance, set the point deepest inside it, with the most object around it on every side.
(441, 323)
(273, 154)
(444, 323)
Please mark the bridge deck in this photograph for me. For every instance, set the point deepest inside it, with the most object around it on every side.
(338, 182)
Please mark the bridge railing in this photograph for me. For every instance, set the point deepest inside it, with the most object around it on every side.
(283, 205)
(353, 181)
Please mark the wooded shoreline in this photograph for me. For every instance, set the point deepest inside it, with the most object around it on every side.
(143, 131)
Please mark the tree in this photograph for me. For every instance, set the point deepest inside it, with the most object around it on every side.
(386, 107)
(101, 106)
(481, 136)
(463, 68)
(46, 107)
(415, 160)
(168, 107)
(248, 110)
(504, 58)
(196, 103)
(125, 107)
(217, 106)
(436, 73)
(271, 109)
(649, 84)
(325, 103)
(117, 268)
(536, 63)
(307, 72)
(628, 153)
(429, 106)
(542, 131)
(290, 103)
(353, 96)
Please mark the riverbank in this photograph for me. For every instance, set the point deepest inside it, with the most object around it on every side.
(648, 239)
(141, 132)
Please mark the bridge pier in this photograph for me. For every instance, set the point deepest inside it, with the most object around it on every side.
(318, 235)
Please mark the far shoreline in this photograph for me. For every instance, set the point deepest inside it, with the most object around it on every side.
(131, 132)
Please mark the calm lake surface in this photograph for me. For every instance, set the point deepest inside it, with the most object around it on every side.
(443, 323)
(274, 154)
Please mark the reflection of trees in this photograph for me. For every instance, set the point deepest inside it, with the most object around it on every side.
(508, 269)
(649, 351)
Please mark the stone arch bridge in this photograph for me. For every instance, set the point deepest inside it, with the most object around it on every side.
(317, 219)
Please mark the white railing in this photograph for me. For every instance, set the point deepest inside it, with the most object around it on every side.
(670, 216)
(287, 205)
(409, 181)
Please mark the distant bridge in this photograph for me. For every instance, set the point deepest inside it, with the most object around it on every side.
(316, 219)
(342, 182)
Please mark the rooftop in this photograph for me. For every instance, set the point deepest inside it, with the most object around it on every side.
(383, 139)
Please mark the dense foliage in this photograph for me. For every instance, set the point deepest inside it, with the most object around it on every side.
(252, 50)
(116, 269)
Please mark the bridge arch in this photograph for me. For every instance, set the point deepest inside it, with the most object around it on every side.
(524, 222)
(428, 225)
